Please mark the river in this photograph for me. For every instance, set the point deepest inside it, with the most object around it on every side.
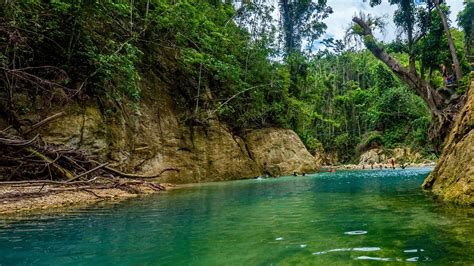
(326, 218)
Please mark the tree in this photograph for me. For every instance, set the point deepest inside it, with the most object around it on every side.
(301, 19)
(457, 68)
(466, 21)
(433, 48)
(442, 109)
(406, 18)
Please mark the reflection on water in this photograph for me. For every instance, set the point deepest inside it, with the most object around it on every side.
(359, 232)
(331, 218)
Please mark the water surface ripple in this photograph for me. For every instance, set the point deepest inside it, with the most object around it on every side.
(332, 218)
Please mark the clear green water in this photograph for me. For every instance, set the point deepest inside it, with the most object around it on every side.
(334, 219)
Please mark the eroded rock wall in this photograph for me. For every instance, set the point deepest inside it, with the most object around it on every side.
(453, 177)
(158, 136)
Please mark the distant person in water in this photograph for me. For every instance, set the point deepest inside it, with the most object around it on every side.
(393, 163)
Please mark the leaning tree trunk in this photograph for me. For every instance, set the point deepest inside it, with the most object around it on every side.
(443, 108)
(457, 69)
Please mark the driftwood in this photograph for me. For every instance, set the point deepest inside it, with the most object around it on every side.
(88, 172)
(43, 122)
(126, 175)
(48, 165)
(56, 167)
(56, 187)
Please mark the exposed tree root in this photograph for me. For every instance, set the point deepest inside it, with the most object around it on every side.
(32, 162)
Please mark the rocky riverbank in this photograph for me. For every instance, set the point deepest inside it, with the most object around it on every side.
(21, 198)
(325, 168)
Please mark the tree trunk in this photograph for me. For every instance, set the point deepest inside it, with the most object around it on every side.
(147, 8)
(442, 110)
(457, 69)
(411, 56)
(422, 88)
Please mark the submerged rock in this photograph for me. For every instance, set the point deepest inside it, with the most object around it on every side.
(453, 177)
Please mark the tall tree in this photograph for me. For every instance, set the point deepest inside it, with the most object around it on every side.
(466, 21)
(301, 20)
(412, 21)
(443, 107)
(443, 110)
(457, 68)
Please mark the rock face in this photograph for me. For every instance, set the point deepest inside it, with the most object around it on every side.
(453, 177)
(280, 152)
(398, 155)
(372, 156)
(158, 136)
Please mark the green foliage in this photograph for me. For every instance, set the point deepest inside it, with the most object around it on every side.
(433, 49)
(361, 104)
(70, 43)
(219, 61)
(466, 22)
(302, 20)
(117, 69)
(383, 77)
(371, 139)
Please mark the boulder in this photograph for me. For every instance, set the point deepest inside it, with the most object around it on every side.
(372, 156)
(280, 151)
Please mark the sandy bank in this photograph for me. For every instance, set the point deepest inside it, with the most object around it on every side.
(31, 198)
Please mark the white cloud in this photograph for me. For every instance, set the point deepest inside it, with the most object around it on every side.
(344, 10)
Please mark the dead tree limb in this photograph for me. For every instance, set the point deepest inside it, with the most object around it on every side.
(88, 172)
(43, 122)
(59, 170)
(13, 142)
(127, 175)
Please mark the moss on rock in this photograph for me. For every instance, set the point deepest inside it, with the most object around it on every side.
(453, 177)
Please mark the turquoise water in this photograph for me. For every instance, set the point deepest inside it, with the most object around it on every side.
(334, 219)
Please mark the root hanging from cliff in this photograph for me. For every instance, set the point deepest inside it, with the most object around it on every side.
(443, 121)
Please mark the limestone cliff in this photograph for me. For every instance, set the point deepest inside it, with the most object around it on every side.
(158, 135)
(453, 177)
